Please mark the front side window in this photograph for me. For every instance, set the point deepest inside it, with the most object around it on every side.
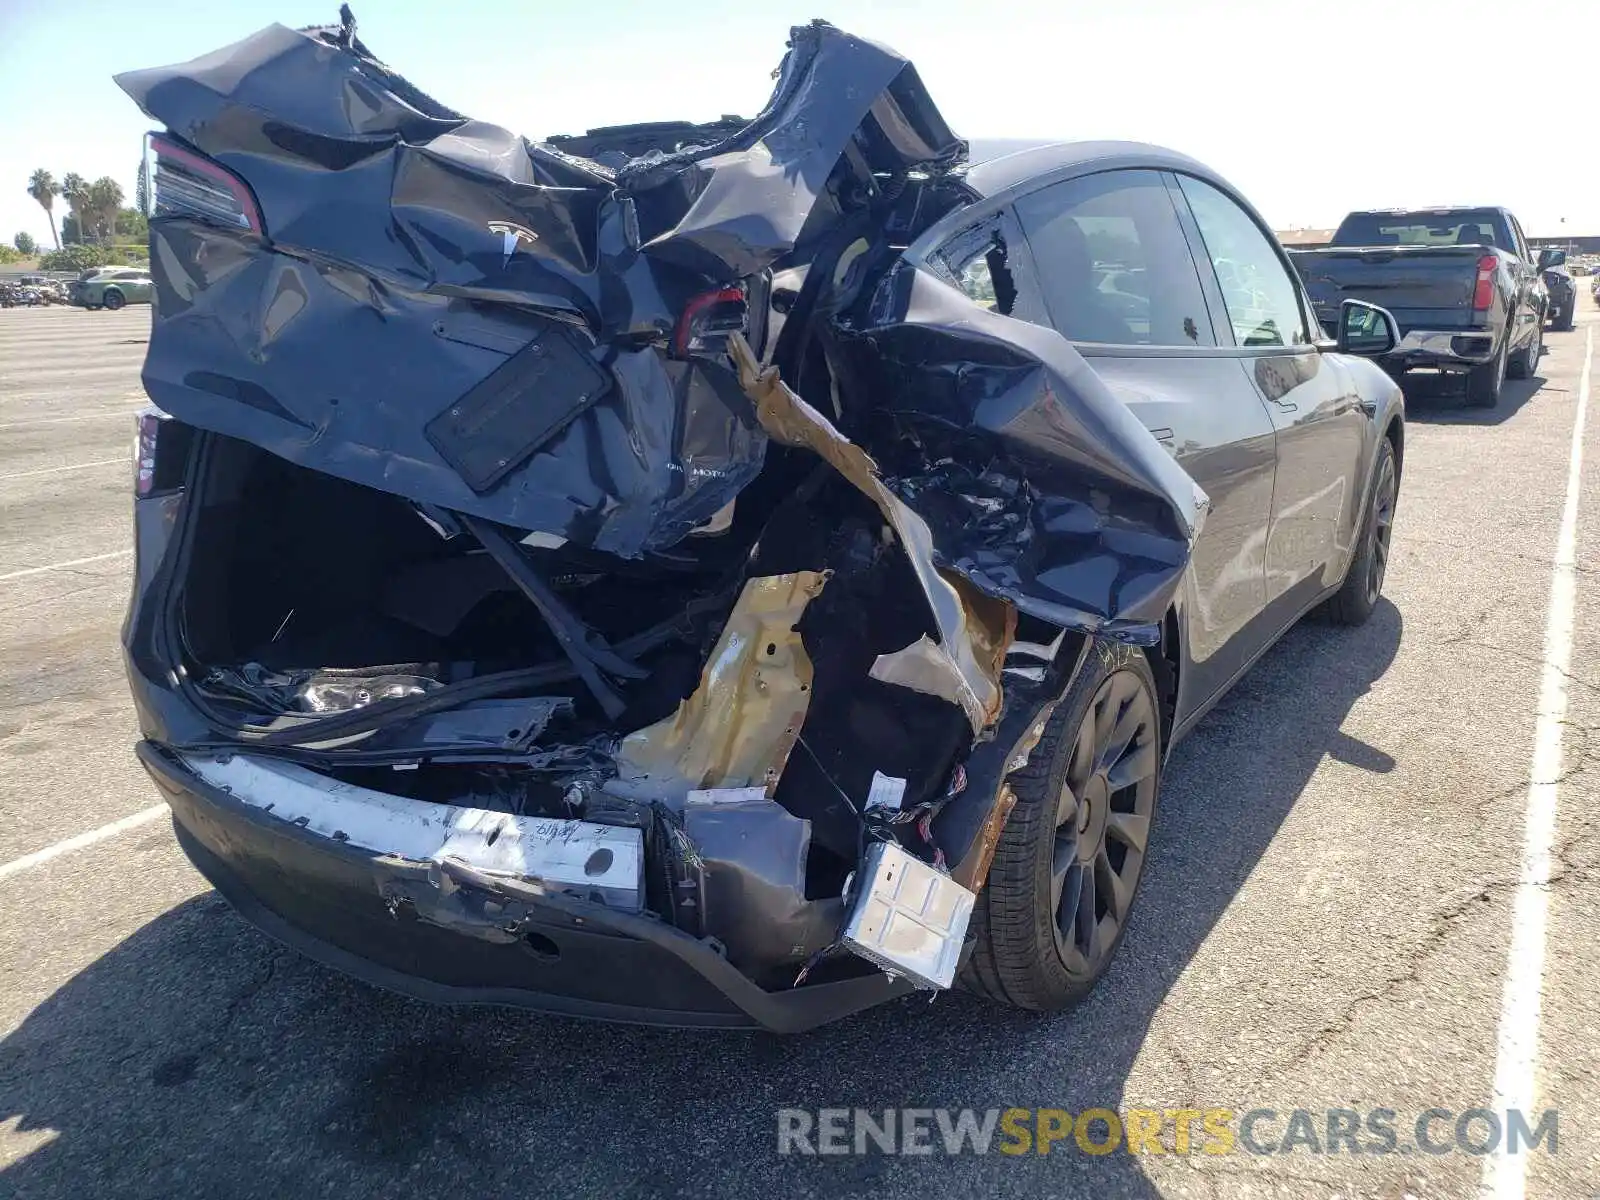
(1262, 300)
(1113, 263)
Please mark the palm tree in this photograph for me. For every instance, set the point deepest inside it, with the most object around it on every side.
(105, 201)
(76, 188)
(42, 186)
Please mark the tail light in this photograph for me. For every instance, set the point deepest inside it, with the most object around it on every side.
(1483, 293)
(186, 184)
(708, 319)
(161, 449)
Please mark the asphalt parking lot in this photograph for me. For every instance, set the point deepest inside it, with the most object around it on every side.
(1326, 917)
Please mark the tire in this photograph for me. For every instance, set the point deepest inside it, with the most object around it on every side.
(1077, 838)
(1484, 383)
(1525, 362)
(1564, 319)
(113, 299)
(1363, 579)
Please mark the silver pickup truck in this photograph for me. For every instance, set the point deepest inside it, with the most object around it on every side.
(1463, 284)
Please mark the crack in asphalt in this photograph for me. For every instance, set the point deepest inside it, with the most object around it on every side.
(1542, 560)
(1447, 920)
(1184, 1069)
(1535, 659)
(1444, 924)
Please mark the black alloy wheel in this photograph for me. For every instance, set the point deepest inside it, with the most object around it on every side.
(1357, 597)
(1103, 820)
(1056, 903)
(1381, 527)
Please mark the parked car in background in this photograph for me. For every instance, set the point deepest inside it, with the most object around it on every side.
(1462, 282)
(1562, 294)
(111, 287)
(707, 722)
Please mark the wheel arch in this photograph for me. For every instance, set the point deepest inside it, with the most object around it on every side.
(1395, 432)
(1166, 664)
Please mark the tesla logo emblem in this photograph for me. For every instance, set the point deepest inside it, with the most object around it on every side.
(510, 235)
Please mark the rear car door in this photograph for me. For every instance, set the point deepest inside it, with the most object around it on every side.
(1118, 279)
(1323, 430)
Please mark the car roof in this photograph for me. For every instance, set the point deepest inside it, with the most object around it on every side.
(999, 164)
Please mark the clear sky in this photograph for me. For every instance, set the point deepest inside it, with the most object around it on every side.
(1310, 108)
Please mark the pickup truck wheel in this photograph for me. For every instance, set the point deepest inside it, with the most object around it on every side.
(1484, 383)
(1363, 580)
(1526, 361)
(1563, 321)
(1068, 864)
(114, 299)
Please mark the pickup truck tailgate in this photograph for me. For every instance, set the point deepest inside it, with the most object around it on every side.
(1425, 287)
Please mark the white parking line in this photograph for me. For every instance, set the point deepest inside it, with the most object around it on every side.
(1517, 1046)
(62, 566)
(121, 414)
(18, 865)
(99, 462)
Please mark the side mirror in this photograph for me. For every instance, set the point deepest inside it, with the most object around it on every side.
(1366, 329)
(1551, 258)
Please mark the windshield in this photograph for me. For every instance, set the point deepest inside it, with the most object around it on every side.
(1437, 227)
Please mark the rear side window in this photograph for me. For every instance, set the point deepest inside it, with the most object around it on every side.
(1113, 263)
(1262, 299)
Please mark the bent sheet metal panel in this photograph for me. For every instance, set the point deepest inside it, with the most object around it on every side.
(385, 215)
(738, 727)
(1031, 478)
(965, 667)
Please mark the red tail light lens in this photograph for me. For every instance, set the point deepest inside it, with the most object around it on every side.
(186, 184)
(708, 318)
(1483, 293)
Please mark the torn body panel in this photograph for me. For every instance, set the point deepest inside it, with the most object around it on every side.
(1033, 480)
(737, 729)
(382, 295)
(967, 663)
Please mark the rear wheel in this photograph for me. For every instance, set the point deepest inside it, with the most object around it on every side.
(113, 299)
(1564, 318)
(1068, 864)
(1484, 383)
(1526, 361)
(1363, 581)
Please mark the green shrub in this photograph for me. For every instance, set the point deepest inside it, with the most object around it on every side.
(79, 257)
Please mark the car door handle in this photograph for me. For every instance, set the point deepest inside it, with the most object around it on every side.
(1162, 435)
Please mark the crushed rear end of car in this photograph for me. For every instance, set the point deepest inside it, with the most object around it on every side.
(607, 574)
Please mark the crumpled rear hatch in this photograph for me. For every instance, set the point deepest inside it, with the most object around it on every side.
(380, 288)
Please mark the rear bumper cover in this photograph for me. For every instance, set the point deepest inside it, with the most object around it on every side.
(385, 922)
(1443, 349)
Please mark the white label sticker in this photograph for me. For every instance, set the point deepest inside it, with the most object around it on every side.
(726, 795)
(886, 792)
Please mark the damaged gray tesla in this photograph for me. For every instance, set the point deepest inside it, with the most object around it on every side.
(717, 575)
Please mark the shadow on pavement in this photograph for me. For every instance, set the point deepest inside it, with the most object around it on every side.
(1440, 399)
(198, 1058)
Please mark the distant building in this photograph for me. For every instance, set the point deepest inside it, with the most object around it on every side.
(1305, 238)
(1572, 245)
